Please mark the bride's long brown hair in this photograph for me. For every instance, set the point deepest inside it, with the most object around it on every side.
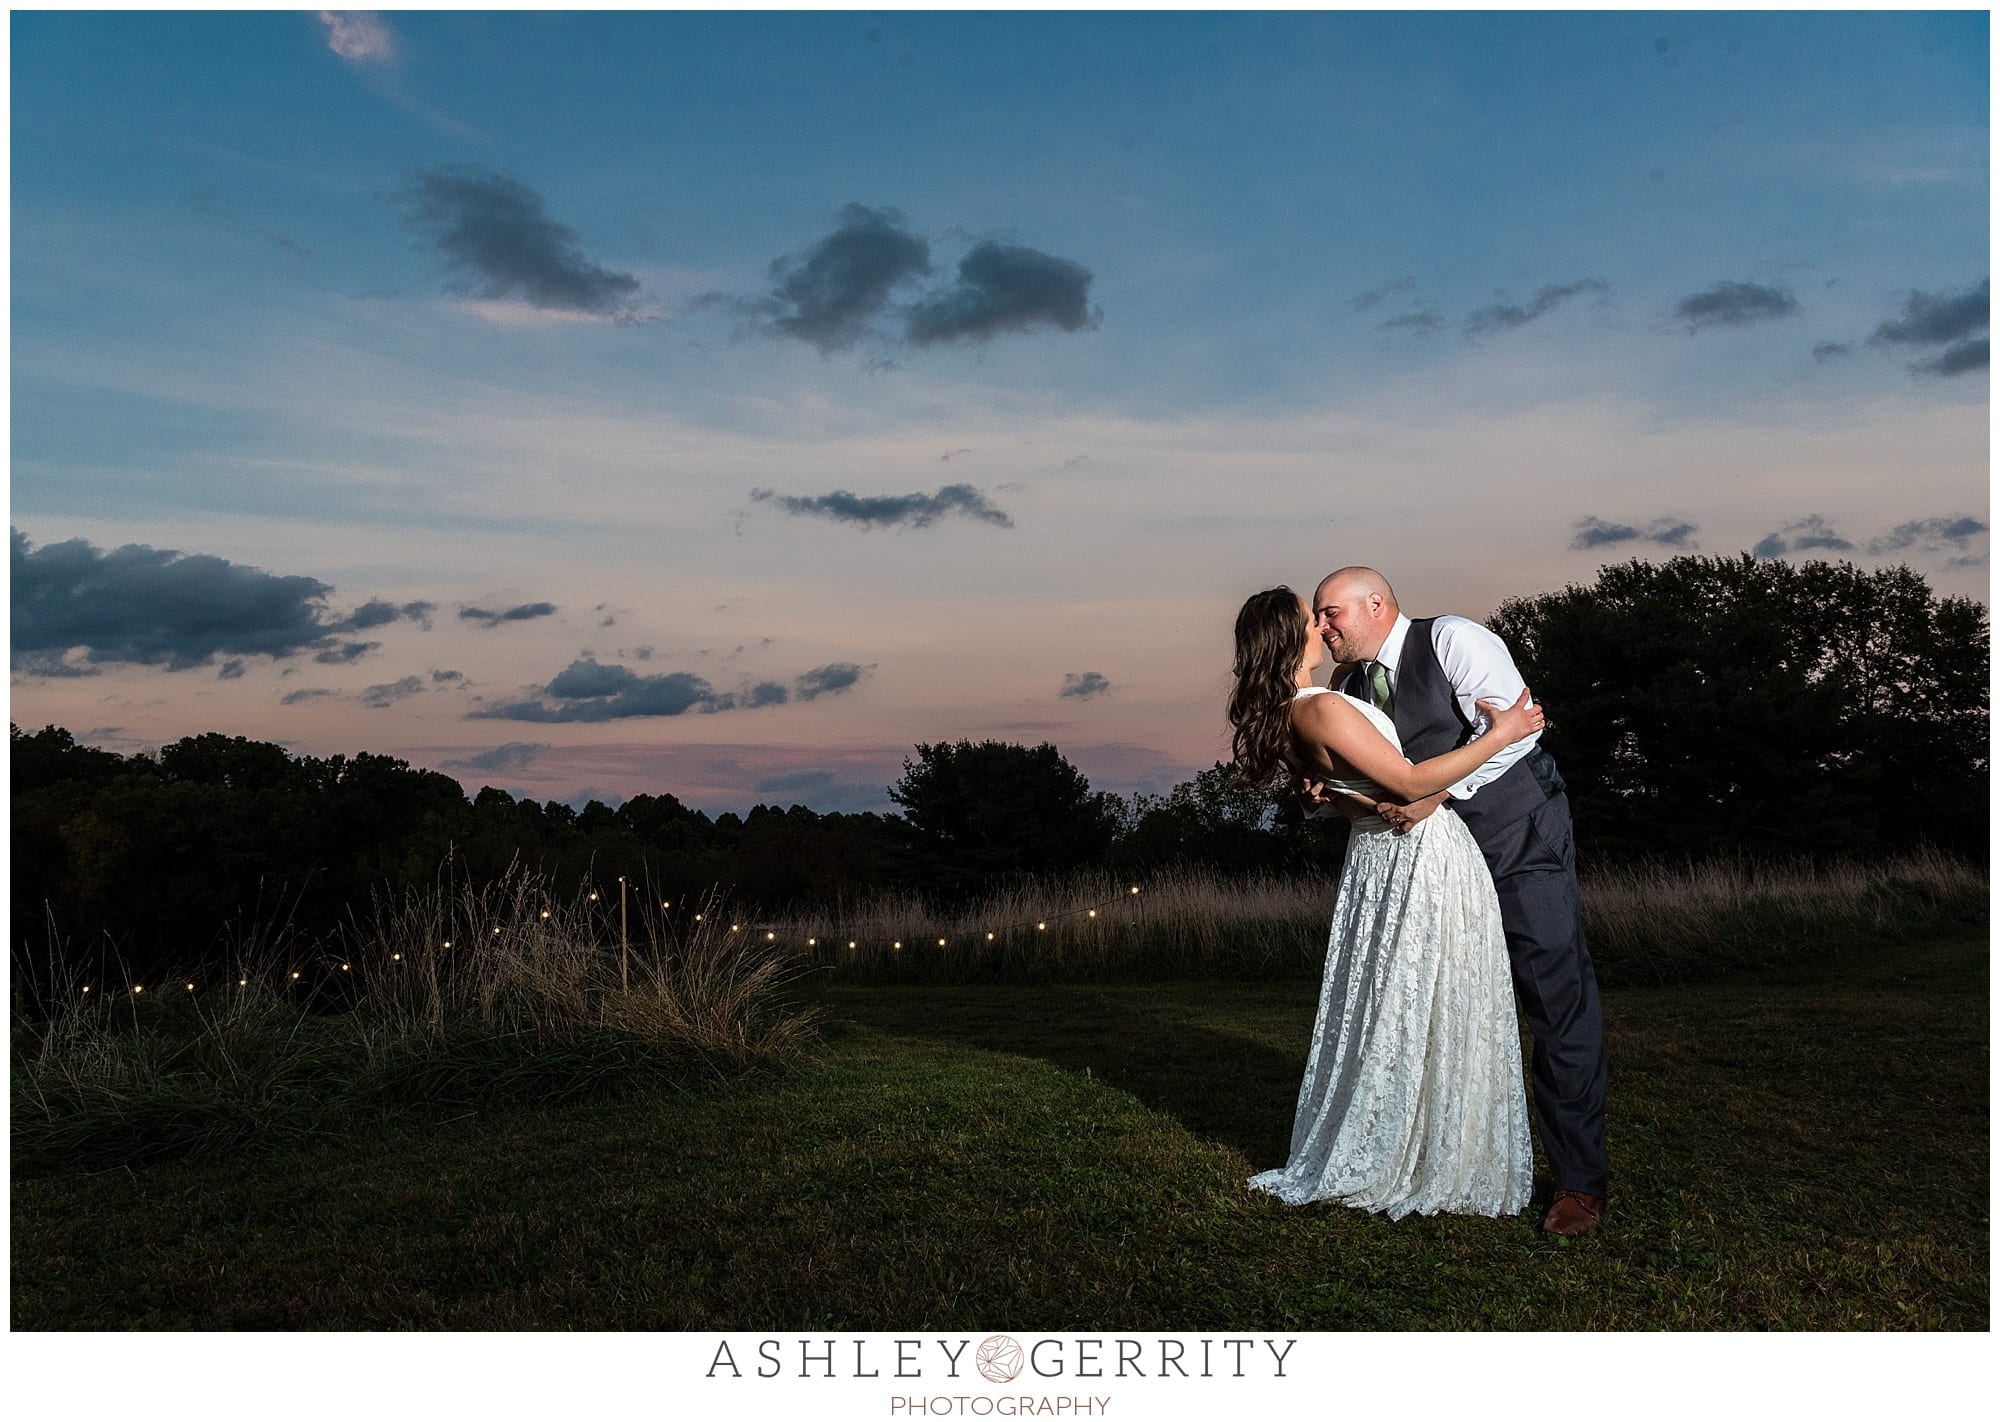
(1271, 633)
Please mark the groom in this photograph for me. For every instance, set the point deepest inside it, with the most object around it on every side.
(1430, 676)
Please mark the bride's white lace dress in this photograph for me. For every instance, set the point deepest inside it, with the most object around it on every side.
(1412, 1100)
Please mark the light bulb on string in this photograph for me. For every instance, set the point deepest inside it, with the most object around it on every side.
(137, 989)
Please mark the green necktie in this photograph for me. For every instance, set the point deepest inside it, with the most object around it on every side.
(1378, 689)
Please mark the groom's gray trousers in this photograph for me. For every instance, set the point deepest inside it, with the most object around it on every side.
(1533, 859)
(1521, 822)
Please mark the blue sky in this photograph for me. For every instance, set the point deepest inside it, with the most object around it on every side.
(928, 367)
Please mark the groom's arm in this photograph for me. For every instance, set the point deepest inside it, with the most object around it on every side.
(1479, 668)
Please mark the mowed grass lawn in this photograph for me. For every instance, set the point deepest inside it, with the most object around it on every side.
(1805, 1150)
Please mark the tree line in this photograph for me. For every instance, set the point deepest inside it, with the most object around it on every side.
(1700, 707)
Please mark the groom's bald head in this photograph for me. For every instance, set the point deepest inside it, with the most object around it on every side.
(1353, 610)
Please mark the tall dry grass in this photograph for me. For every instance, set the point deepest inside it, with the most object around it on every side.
(1652, 924)
(458, 996)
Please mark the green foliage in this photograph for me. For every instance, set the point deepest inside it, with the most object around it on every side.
(987, 808)
(1727, 705)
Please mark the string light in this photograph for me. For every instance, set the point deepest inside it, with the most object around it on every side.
(850, 943)
(593, 896)
(770, 938)
(496, 930)
(812, 943)
(940, 943)
(86, 987)
(137, 989)
(898, 944)
(734, 926)
(697, 918)
(243, 982)
(989, 938)
(190, 987)
(1135, 888)
(545, 914)
(395, 957)
(343, 967)
(447, 943)
(295, 977)
(1040, 927)
(665, 904)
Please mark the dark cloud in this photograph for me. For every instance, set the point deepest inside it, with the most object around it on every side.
(890, 510)
(1735, 303)
(1960, 359)
(527, 611)
(1810, 532)
(232, 670)
(1952, 320)
(1417, 321)
(1935, 535)
(293, 698)
(828, 295)
(1827, 350)
(826, 680)
(1593, 532)
(1084, 685)
(158, 607)
(1004, 288)
(1933, 319)
(345, 654)
(493, 232)
(514, 755)
(378, 613)
(587, 690)
(1504, 316)
(389, 692)
(1369, 300)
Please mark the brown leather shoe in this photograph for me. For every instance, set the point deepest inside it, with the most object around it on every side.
(1573, 1214)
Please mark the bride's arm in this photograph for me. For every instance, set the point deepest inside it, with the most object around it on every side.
(1338, 726)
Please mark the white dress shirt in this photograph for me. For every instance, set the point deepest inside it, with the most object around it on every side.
(1479, 667)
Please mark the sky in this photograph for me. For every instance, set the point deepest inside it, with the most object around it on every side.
(721, 405)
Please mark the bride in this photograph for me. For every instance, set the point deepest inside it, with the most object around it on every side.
(1412, 1100)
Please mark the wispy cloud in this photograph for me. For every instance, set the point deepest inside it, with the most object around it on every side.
(358, 35)
(890, 510)
(1952, 535)
(831, 678)
(1807, 534)
(1735, 303)
(493, 232)
(1824, 351)
(1504, 316)
(1369, 300)
(1003, 288)
(524, 612)
(1594, 532)
(587, 690)
(1082, 686)
(1416, 322)
(390, 692)
(514, 755)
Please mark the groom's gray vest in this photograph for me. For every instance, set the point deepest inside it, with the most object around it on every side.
(1429, 721)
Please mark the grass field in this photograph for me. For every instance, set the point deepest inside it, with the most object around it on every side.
(1803, 1149)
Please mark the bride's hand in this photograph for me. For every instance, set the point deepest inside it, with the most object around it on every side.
(1516, 722)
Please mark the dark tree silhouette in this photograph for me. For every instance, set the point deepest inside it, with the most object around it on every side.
(1713, 704)
(986, 808)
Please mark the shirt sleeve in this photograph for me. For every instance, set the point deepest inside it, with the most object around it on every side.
(1479, 668)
